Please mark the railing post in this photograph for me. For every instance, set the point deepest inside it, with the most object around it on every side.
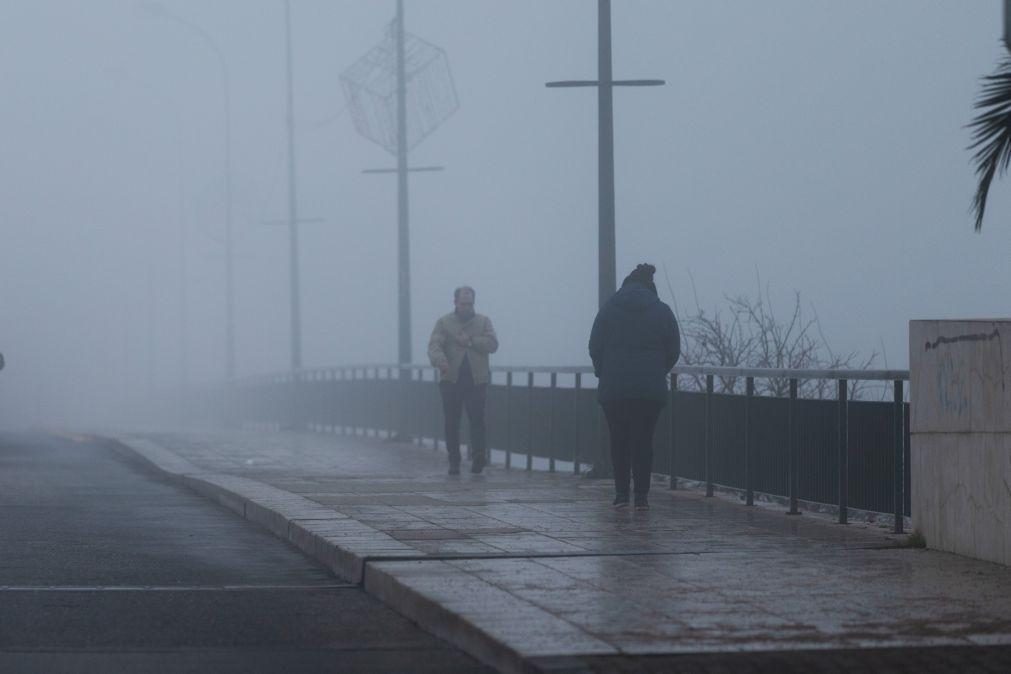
(391, 404)
(403, 393)
(296, 416)
(749, 392)
(897, 449)
(791, 448)
(530, 421)
(418, 431)
(551, 421)
(435, 428)
(673, 426)
(843, 452)
(374, 400)
(440, 425)
(351, 390)
(509, 420)
(340, 400)
(906, 458)
(576, 387)
(707, 420)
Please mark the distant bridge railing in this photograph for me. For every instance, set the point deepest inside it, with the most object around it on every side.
(843, 452)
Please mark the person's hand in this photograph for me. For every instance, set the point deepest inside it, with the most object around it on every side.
(443, 369)
(463, 339)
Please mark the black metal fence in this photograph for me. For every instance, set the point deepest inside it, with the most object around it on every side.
(842, 452)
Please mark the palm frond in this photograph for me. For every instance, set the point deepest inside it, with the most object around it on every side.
(991, 134)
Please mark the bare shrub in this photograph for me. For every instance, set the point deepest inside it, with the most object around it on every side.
(746, 331)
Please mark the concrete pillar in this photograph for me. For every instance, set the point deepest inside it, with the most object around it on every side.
(960, 425)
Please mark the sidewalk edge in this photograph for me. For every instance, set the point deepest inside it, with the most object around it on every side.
(429, 614)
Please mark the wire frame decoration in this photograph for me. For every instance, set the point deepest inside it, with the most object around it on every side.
(370, 88)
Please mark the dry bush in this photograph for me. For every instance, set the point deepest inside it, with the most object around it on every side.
(746, 331)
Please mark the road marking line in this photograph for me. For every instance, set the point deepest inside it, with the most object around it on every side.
(167, 588)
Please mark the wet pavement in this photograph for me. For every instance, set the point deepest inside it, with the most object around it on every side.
(107, 566)
(523, 568)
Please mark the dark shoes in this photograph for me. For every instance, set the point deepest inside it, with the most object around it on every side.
(477, 465)
(621, 502)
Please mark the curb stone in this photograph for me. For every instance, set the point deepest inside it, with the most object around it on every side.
(315, 529)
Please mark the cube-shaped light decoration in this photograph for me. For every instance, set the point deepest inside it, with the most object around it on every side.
(370, 87)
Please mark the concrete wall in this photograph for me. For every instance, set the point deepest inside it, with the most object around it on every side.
(960, 424)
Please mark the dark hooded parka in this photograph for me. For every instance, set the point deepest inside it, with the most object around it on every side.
(634, 343)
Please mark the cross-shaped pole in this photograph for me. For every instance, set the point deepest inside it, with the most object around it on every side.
(403, 244)
(607, 277)
(402, 170)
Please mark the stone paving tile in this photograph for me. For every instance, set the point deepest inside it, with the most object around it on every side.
(555, 570)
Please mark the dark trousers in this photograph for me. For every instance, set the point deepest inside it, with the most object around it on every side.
(455, 398)
(631, 424)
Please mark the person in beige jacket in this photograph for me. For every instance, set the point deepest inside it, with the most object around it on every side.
(459, 347)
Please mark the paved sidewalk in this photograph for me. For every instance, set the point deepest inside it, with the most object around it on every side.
(531, 571)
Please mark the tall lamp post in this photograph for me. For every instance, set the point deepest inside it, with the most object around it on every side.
(606, 255)
(296, 310)
(401, 72)
(159, 10)
(607, 277)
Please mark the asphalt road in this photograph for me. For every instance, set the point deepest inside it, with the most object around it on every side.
(107, 567)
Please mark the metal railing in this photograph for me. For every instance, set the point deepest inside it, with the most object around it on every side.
(842, 452)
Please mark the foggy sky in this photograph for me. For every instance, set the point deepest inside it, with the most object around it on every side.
(818, 144)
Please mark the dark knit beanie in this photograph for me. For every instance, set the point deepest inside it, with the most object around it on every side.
(643, 275)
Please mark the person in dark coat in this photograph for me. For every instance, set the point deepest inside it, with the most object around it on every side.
(634, 343)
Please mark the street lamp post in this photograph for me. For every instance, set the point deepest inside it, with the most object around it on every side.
(296, 310)
(606, 249)
(403, 242)
(402, 71)
(607, 277)
(159, 10)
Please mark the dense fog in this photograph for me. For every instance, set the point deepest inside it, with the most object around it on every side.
(817, 145)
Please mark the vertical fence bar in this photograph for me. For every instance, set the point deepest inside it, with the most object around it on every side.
(351, 396)
(673, 426)
(440, 431)
(792, 450)
(380, 399)
(435, 427)
(404, 412)
(422, 417)
(409, 411)
(346, 375)
(418, 434)
(749, 392)
(408, 424)
(296, 416)
(374, 385)
(509, 420)
(391, 399)
(897, 451)
(906, 459)
(338, 376)
(551, 422)
(708, 447)
(530, 421)
(335, 400)
(843, 452)
(576, 386)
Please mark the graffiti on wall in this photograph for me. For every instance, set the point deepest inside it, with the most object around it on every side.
(953, 378)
